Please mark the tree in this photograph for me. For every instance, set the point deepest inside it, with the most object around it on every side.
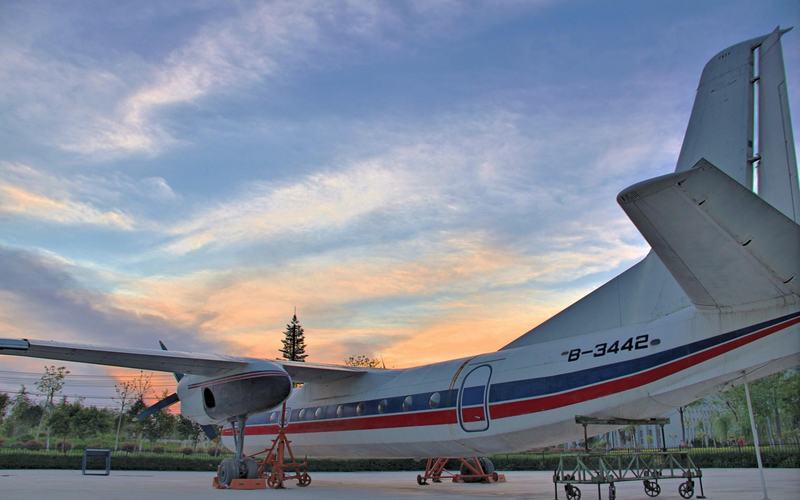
(159, 424)
(140, 389)
(60, 421)
(294, 342)
(724, 427)
(4, 399)
(24, 414)
(124, 390)
(364, 361)
(48, 386)
(188, 429)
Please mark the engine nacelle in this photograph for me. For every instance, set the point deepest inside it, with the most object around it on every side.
(213, 400)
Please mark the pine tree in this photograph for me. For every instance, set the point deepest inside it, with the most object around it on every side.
(294, 342)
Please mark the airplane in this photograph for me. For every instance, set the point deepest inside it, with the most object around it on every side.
(718, 296)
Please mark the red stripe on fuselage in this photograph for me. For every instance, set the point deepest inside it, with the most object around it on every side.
(516, 408)
(503, 410)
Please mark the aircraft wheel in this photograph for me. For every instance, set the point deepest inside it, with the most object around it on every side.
(486, 465)
(686, 489)
(304, 479)
(250, 468)
(652, 488)
(421, 481)
(227, 472)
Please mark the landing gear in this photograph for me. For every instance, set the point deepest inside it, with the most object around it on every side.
(475, 470)
(248, 473)
(238, 467)
(471, 470)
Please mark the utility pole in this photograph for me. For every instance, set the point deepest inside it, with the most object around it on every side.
(683, 427)
(755, 435)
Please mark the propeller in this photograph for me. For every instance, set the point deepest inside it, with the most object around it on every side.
(210, 431)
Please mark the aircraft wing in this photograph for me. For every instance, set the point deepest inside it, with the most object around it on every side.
(319, 373)
(144, 359)
(167, 361)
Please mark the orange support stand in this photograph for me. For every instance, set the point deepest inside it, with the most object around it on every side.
(275, 466)
(273, 470)
(470, 470)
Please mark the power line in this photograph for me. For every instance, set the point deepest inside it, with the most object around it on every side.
(68, 383)
(38, 375)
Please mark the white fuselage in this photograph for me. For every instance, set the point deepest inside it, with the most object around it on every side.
(525, 397)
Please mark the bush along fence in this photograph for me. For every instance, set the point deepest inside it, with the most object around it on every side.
(784, 456)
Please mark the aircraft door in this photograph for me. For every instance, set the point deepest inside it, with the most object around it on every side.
(473, 399)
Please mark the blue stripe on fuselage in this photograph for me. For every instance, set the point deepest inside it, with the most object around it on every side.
(527, 388)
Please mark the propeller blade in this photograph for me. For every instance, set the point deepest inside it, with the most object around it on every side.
(178, 376)
(210, 431)
(167, 401)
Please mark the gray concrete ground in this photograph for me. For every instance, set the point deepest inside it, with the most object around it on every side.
(784, 484)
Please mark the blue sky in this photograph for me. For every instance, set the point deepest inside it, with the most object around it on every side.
(398, 171)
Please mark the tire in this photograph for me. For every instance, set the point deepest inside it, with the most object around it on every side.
(304, 480)
(251, 468)
(227, 472)
(486, 465)
(686, 490)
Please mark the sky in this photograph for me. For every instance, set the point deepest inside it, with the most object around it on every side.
(421, 180)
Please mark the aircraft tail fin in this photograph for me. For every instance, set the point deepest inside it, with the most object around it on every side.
(740, 122)
(724, 245)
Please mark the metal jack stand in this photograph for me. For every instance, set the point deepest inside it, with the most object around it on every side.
(648, 466)
(275, 461)
(471, 470)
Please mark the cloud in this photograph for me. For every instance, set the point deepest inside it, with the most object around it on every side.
(107, 200)
(378, 297)
(16, 201)
(319, 202)
(483, 169)
(122, 100)
(51, 303)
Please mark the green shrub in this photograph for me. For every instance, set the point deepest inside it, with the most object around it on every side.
(31, 445)
(158, 449)
(187, 451)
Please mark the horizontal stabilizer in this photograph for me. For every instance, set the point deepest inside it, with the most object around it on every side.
(723, 244)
